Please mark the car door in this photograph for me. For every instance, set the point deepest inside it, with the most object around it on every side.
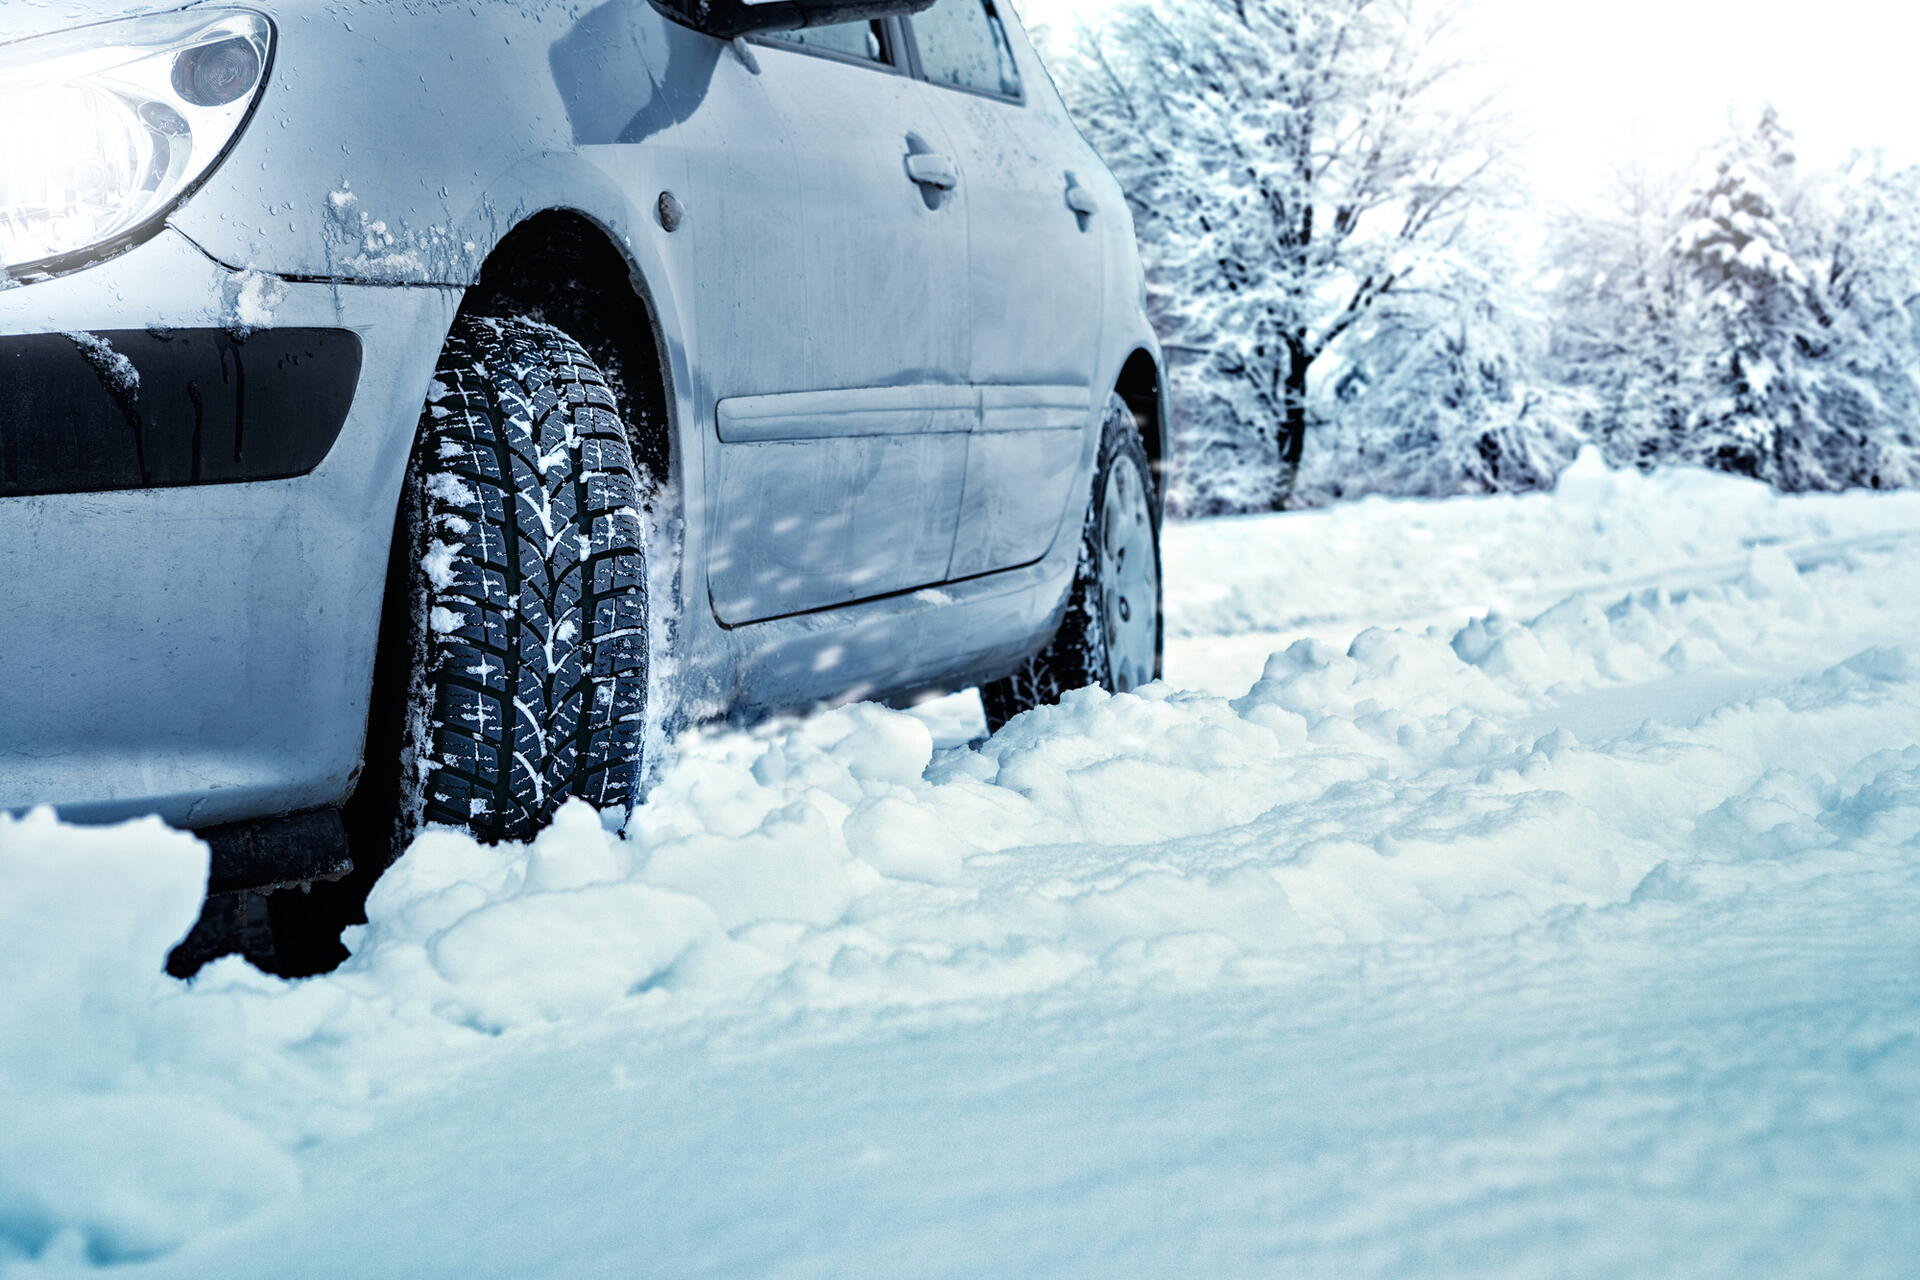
(830, 323)
(1035, 277)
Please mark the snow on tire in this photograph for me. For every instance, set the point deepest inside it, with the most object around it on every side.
(1111, 633)
(531, 640)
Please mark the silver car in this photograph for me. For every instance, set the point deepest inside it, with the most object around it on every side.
(412, 413)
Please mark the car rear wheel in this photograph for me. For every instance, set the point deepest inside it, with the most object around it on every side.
(1110, 634)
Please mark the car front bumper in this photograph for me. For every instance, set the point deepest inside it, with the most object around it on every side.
(182, 638)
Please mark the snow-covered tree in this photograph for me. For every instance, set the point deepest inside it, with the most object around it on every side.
(1621, 327)
(1762, 324)
(1289, 163)
(1443, 391)
(1737, 249)
(1867, 256)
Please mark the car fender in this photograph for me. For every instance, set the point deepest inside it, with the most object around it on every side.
(397, 144)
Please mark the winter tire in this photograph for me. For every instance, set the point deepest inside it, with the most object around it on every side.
(513, 651)
(529, 587)
(1111, 633)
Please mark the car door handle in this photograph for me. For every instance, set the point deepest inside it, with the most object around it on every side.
(1081, 200)
(930, 170)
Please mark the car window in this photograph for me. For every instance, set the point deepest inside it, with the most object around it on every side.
(963, 43)
(861, 40)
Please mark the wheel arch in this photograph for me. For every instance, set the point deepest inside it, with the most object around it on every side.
(565, 268)
(1142, 385)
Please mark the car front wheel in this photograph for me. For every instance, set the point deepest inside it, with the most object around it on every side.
(514, 646)
(528, 618)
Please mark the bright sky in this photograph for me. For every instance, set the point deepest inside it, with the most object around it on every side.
(1595, 84)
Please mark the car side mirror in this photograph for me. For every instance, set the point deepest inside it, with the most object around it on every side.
(729, 19)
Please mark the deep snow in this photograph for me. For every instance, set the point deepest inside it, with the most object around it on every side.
(1578, 937)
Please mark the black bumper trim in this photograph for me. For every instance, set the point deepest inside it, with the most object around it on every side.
(108, 409)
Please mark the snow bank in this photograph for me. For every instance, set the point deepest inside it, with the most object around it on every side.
(1405, 790)
(98, 1161)
(1398, 560)
(1364, 795)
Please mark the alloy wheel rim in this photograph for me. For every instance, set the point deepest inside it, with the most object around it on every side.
(1129, 578)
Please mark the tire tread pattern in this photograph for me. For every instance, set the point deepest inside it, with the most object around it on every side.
(536, 612)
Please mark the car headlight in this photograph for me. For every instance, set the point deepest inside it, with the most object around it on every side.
(104, 129)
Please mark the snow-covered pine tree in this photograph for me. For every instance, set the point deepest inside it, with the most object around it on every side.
(1763, 326)
(1288, 164)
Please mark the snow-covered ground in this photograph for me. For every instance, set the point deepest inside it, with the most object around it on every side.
(1518, 886)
